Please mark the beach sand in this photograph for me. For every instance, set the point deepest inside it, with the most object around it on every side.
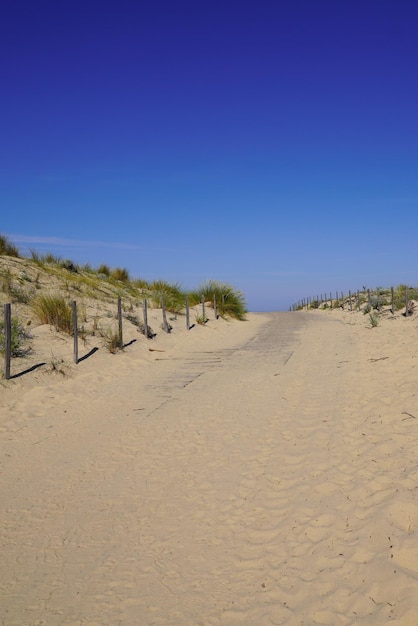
(243, 473)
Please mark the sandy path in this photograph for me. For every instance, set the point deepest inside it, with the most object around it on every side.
(261, 483)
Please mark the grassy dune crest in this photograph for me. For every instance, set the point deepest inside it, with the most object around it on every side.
(42, 287)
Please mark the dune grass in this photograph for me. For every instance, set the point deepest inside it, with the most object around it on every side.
(229, 301)
(174, 296)
(54, 310)
(49, 271)
(7, 247)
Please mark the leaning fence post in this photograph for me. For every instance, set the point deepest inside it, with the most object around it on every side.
(75, 331)
(120, 322)
(7, 340)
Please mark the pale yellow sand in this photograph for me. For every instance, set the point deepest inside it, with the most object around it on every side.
(251, 473)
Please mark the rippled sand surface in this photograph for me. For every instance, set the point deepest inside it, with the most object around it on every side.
(253, 473)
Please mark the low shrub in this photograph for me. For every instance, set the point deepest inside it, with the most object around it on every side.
(18, 338)
(111, 340)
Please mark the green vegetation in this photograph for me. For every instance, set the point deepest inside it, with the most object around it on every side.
(15, 292)
(45, 273)
(7, 247)
(229, 301)
(369, 300)
(201, 319)
(54, 310)
(121, 274)
(314, 304)
(19, 336)
(111, 340)
(104, 270)
(377, 301)
(174, 297)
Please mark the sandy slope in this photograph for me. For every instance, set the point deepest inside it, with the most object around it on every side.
(252, 473)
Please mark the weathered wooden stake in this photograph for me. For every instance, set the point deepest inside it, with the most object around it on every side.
(75, 331)
(145, 318)
(166, 327)
(351, 304)
(215, 312)
(7, 340)
(187, 313)
(406, 302)
(120, 322)
(203, 309)
(393, 300)
(358, 300)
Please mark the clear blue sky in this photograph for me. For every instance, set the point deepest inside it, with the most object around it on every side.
(270, 145)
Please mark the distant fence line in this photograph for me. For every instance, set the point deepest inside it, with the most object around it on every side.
(146, 329)
(353, 300)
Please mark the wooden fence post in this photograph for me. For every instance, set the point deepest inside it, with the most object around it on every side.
(406, 302)
(7, 340)
(215, 311)
(393, 301)
(203, 309)
(75, 332)
(144, 304)
(166, 327)
(120, 322)
(187, 313)
(358, 300)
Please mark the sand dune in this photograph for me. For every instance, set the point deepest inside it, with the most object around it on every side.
(261, 472)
